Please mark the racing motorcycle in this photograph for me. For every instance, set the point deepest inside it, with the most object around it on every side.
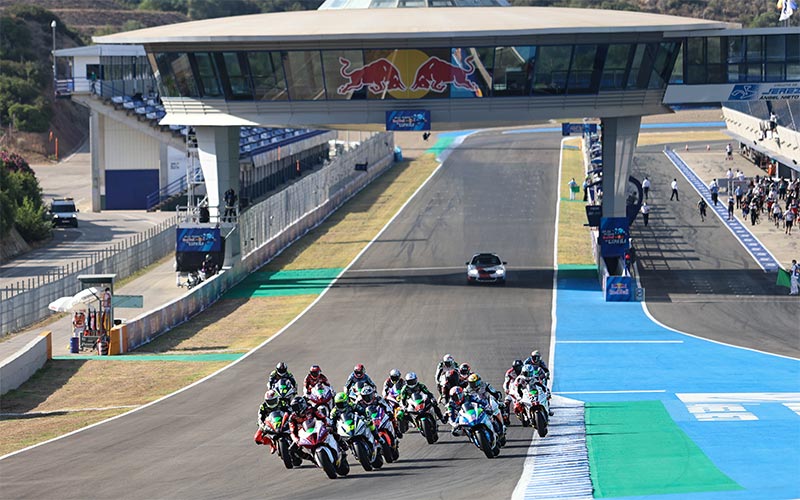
(285, 389)
(419, 411)
(475, 420)
(321, 398)
(354, 431)
(385, 429)
(316, 444)
(533, 408)
(275, 432)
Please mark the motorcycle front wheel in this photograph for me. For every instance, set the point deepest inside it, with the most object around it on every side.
(541, 423)
(362, 454)
(429, 430)
(283, 451)
(324, 461)
(485, 443)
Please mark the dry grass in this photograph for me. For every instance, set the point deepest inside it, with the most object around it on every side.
(678, 139)
(574, 245)
(230, 325)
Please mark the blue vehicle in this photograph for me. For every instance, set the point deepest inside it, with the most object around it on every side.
(477, 424)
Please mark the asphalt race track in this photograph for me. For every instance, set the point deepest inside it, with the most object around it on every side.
(403, 304)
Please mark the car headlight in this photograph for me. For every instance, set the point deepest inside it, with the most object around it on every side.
(500, 272)
(472, 272)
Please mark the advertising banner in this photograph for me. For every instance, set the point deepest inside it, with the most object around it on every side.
(619, 289)
(593, 215)
(614, 236)
(193, 239)
(578, 128)
(400, 121)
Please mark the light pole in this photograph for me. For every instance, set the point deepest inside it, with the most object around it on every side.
(53, 26)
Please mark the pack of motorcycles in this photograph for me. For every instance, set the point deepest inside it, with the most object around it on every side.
(483, 422)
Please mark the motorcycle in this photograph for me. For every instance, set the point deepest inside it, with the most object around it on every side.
(419, 411)
(391, 398)
(385, 428)
(479, 425)
(317, 444)
(533, 409)
(354, 431)
(275, 430)
(321, 398)
(285, 389)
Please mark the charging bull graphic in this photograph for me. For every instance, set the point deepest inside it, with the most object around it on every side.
(378, 76)
(435, 74)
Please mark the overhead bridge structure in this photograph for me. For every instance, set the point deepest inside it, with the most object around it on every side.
(454, 68)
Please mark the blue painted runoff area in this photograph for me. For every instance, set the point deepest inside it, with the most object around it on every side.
(740, 407)
(643, 127)
(763, 257)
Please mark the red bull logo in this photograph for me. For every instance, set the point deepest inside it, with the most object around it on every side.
(378, 76)
(435, 74)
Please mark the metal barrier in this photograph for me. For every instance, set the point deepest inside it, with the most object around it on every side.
(25, 302)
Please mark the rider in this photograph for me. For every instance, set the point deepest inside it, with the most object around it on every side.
(511, 374)
(342, 403)
(314, 377)
(358, 375)
(272, 402)
(413, 385)
(368, 397)
(394, 384)
(464, 371)
(445, 364)
(280, 371)
(536, 360)
(457, 399)
(450, 379)
(529, 375)
(483, 390)
(302, 411)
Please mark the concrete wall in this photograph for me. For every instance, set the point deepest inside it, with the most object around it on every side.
(378, 151)
(17, 369)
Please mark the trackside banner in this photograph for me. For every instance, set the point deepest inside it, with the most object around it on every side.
(619, 289)
(408, 120)
(198, 240)
(613, 236)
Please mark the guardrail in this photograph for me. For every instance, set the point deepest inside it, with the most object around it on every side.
(25, 302)
(17, 369)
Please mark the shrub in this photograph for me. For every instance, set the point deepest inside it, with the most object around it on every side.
(30, 118)
(33, 223)
(8, 212)
(13, 162)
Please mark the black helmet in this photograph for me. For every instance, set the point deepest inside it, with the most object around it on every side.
(517, 366)
(281, 368)
(368, 395)
(464, 370)
(298, 404)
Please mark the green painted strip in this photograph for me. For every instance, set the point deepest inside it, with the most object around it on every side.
(575, 200)
(577, 267)
(441, 145)
(223, 356)
(635, 448)
(284, 283)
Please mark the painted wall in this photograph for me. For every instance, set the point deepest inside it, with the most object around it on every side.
(17, 369)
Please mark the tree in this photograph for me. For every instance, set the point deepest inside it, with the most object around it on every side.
(207, 9)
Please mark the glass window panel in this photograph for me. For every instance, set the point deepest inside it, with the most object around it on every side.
(753, 72)
(582, 70)
(735, 49)
(615, 65)
(471, 74)
(207, 73)
(776, 48)
(774, 72)
(737, 73)
(338, 65)
(266, 70)
(176, 74)
(716, 74)
(237, 76)
(715, 50)
(793, 48)
(304, 75)
(677, 71)
(793, 71)
(636, 65)
(695, 53)
(662, 63)
(754, 49)
(513, 70)
(696, 74)
(552, 66)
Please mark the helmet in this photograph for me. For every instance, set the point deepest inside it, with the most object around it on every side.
(527, 371)
(298, 404)
(517, 366)
(208, 257)
(358, 370)
(394, 375)
(457, 395)
(411, 379)
(536, 357)
(464, 370)
(474, 381)
(281, 368)
(340, 400)
(271, 398)
(448, 360)
(368, 394)
(315, 370)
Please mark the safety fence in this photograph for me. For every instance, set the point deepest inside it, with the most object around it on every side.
(25, 302)
(267, 228)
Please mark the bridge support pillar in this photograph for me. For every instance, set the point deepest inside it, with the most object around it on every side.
(619, 142)
(97, 143)
(218, 150)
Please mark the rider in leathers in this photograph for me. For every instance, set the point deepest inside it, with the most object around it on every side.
(451, 379)
(483, 390)
(272, 402)
(368, 397)
(314, 377)
(536, 360)
(280, 371)
(457, 398)
(511, 374)
(342, 404)
(445, 364)
(393, 384)
(358, 375)
(531, 375)
(302, 411)
(412, 386)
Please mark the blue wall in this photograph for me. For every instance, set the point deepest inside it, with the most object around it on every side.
(128, 189)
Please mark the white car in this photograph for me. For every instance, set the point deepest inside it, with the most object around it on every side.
(486, 268)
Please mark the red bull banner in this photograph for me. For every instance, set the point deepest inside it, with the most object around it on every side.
(411, 74)
(405, 120)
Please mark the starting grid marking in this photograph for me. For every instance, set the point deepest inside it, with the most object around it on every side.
(713, 407)
(762, 256)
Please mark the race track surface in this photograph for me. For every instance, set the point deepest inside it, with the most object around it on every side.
(403, 304)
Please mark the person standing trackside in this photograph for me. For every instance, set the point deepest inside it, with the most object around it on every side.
(729, 176)
(702, 206)
(714, 188)
(646, 188)
(106, 302)
(230, 205)
(674, 194)
(728, 152)
(645, 213)
(573, 188)
(788, 220)
(730, 207)
(794, 277)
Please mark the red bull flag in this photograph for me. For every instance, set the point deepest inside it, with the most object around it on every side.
(787, 8)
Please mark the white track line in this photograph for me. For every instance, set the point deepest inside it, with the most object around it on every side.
(454, 144)
(620, 341)
(641, 391)
(407, 269)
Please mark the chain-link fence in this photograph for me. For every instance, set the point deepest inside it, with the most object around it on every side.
(26, 301)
